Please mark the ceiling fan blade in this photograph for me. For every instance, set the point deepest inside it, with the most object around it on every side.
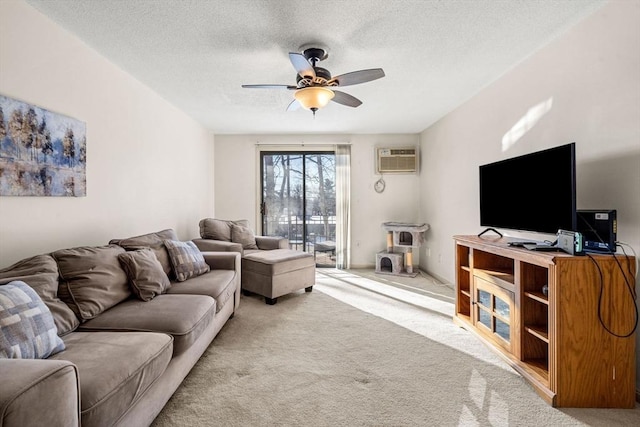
(346, 99)
(269, 87)
(302, 66)
(357, 77)
(294, 105)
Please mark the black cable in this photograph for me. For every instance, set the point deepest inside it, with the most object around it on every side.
(630, 287)
(632, 292)
(628, 264)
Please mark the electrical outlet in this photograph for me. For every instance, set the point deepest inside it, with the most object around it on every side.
(428, 252)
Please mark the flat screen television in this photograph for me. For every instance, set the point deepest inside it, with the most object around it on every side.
(535, 192)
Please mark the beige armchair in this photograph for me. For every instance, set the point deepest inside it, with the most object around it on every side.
(217, 235)
(269, 267)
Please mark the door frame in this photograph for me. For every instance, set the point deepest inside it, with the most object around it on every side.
(261, 151)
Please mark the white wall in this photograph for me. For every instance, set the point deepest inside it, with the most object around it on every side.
(149, 166)
(591, 75)
(237, 185)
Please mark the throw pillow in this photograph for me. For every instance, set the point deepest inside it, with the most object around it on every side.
(91, 279)
(146, 276)
(40, 272)
(155, 241)
(26, 324)
(244, 236)
(186, 258)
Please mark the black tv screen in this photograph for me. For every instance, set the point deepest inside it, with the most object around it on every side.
(535, 192)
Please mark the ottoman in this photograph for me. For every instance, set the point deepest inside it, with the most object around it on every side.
(277, 272)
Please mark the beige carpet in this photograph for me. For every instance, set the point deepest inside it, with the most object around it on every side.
(395, 360)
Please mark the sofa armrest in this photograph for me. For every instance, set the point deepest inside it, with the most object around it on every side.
(210, 245)
(222, 260)
(226, 261)
(267, 243)
(39, 392)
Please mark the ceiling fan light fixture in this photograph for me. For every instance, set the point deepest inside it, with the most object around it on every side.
(314, 98)
(314, 85)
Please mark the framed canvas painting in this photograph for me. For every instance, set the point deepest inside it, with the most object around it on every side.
(42, 153)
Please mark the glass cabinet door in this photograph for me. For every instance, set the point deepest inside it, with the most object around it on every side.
(494, 312)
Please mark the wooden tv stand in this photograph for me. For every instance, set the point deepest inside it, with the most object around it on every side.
(555, 341)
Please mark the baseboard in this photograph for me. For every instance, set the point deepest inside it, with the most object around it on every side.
(438, 279)
(363, 266)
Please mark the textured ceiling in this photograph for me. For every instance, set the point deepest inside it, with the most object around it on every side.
(197, 53)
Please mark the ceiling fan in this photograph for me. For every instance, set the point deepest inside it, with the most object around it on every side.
(315, 86)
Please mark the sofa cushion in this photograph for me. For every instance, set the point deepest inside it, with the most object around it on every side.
(244, 236)
(27, 330)
(115, 369)
(146, 276)
(186, 259)
(91, 279)
(41, 273)
(182, 316)
(218, 284)
(219, 229)
(154, 241)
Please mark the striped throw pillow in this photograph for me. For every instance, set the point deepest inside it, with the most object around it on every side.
(27, 329)
(186, 258)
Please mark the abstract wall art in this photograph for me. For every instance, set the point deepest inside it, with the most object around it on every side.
(42, 153)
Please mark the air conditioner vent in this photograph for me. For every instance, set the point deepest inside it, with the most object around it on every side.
(397, 160)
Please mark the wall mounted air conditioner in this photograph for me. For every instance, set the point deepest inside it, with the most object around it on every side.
(397, 160)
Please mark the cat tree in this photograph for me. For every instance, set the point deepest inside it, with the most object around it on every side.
(401, 239)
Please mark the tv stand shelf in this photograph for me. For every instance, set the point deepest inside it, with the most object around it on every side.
(555, 341)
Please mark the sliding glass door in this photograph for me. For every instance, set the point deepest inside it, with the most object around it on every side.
(299, 200)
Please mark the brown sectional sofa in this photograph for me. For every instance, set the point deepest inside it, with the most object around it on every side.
(124, 356)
